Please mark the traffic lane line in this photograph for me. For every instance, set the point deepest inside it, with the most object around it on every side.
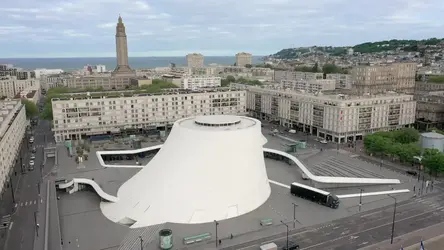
(369, 229)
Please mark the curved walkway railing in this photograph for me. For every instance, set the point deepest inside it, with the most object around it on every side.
(91, 183)
(129, 151)
(301, 166)
(331, 179)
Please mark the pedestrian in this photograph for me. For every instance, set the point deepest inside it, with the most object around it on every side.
(231, 236)
(220, 242)
(414, 188)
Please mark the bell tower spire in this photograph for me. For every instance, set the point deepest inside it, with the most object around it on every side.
(122, 50)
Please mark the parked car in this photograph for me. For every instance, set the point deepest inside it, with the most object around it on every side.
(33, 150)
(31, 139)
(32, 157)
(291, 246)
(31, 163)
(411, 172)
(323, 141)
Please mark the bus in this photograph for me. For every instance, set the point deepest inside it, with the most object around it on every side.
(310, 193)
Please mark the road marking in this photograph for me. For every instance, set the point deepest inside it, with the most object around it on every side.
(35, 202)
(279, 184)
(10, 225)
(26, 203)
(363, 231)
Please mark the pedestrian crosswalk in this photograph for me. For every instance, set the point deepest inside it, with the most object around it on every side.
(431, 203)
(28, 203)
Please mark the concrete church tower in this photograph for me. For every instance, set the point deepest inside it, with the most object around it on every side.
(123, 68)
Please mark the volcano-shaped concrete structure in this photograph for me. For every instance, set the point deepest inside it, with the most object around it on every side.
(210, 168)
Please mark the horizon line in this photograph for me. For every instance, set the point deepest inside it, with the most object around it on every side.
(71, 57)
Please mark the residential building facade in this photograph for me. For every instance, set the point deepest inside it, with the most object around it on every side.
(46, 72)
(398, 77)
(430, 110)
(97, 82)
(243, 59)
(12, 130)
(339, 118)
(343, 81)
(193, 82)
(280, 75)
(195, 60)
(309, 86)
(83, 116)
(10, 85)
(20, 74)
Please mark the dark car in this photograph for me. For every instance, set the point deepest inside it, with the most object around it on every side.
(291, 246)
(411, 172)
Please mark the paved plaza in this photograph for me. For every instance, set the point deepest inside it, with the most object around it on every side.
(84, 227)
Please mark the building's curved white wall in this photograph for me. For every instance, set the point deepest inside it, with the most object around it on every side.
(198, 176)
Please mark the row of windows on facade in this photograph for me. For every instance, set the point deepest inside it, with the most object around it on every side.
(215, 107)
(156, 105)
(137, 120)
(98, 114)
(157, 99)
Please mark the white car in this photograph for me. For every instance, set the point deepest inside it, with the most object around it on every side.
(323, 141)
(32, 157)
(31, 163)
(31, 140)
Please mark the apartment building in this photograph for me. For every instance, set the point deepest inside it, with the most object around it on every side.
(95, 82)
(195, 60)
(243, 59)
(280, 75)
(205, 71)
(262, 72)
(339, 118)
(194, 82)
(428, 86)
(79, 116)
(47, 72)
(20, 74)
(10, 85)
(12, 130)
(343, 81)
(309, 86)
(399, 77)
(430, 110)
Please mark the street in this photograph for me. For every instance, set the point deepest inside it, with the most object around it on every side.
(363, 229)
(22, 229)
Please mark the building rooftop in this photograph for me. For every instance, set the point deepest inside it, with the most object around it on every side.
(433, 134)
(217, 123)
(338, 97)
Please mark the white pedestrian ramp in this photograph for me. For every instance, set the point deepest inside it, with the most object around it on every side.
(345, 196)
(399, 191)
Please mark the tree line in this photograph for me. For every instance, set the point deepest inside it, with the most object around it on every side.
(403, 145)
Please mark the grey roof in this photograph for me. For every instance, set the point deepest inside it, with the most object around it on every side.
(433, 135)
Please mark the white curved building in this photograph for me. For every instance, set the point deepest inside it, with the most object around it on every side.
(210, 168)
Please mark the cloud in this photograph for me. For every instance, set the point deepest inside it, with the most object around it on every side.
(172, 26)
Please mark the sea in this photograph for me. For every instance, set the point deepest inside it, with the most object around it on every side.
(70, 64)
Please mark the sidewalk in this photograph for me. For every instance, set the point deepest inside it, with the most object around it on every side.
(433, 240)
(6, 200)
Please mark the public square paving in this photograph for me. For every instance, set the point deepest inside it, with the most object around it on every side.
(82, 221)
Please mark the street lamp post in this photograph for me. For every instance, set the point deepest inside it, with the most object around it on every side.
(394, 216)
(216, 224)
(360, 199)
(287, 233)
(141, 242)
(294, 214)
(12, 189)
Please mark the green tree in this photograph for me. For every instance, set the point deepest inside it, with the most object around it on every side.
(315, 68)
(433, 161)
(47, 112)
(436, 79)
(330, 69)
(31, 108)
(407, 135)
(231, 79)
(224, 83)
(248, 66)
